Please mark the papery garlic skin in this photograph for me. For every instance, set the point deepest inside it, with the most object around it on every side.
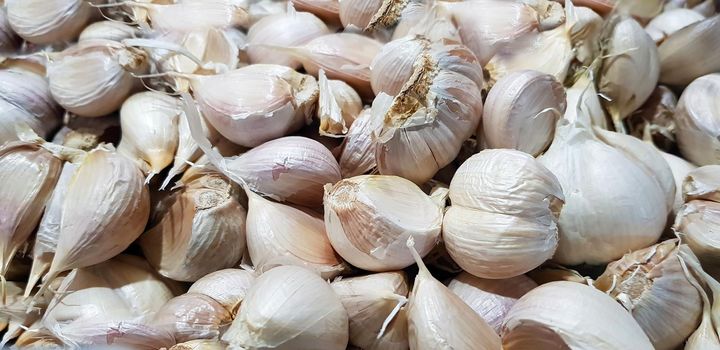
(357, 156)
(338, 106)
(370, 217)
(569, 315)
(190, 15)
(669, 22)
(370, 300)
(697, 121)
(582, 97)
(393, 65)
(521, 111)
(491, 299)
(680, 168)
(286, 30)
(192, 316)
(585, 27)
(311, 315)
(702, 183)
(25, 99)
(228, 287)
(107, 30)
(503, 218)
(327, 10)
(43, 22)
(187, 149)
(690, 52)
(697, 224)
(9, 40)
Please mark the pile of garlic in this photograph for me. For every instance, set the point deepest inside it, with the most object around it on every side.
(360, 174)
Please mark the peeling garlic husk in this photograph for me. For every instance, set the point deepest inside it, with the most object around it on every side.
(368, 219)
(9, 40)
(42, 22)
(569, 315)
(192, 316)
(670, 22)
(582, 98)
(357, 155)
(338, 106)
(552, 272)
(25, 98)
(379, 15)
(311, 315)
(697, 224)
(228, 287)
(431, 20)
(630, 70)
(490, 299)
(374, 305)
(200, 344)
(657, 116)
(690, 52)
(108, 30)
(327, 10)
(702, 183)
(200, 229)
(697, 121)
(285, 30)
(299, 239)
(585, 30)
(503, 218)
(149, 124)
(680, 169)
(521, 111)
(652, 285)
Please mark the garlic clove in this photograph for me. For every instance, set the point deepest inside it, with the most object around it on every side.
(669, 22)
(40, 22)
(87, 133)
(228, 287)
(192, 316)
(108, 30)
(569, 315)
(190, 15)
(357, 155)
(696, 120)
(697, 223)
(327, 10)
(521, 111)
(393, 65)
(25, 98)
(338, 106)
(374, 305)
(299, 239)
(310, 315)
(200, 344)
(491, 299)
(680, 169)
(430, 20)
(690, 53)
(702, 183)
(369, 217)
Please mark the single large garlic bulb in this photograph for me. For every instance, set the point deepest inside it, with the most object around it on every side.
(503, 218)
(436, 104)
(286, 30)
(309, 317)
(652, 284)
(569, 315)
(697, 120)
(370, 217)
(228, 287)
(25, 99)
(697, 224)
(192, 316)
(691, 52)
(374, 305)
(43, 22)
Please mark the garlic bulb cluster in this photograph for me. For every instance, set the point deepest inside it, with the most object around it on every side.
(652, 284)
(503, 218)
(228, 287)
(311, 315)
(42, 22)
(285, 30)
(338, 106)
(108, 30)
(375, 309)
(690, 52)
(669, 22)
(521, 111)
(428, 107)
(357, 155)
(697, 122)
(370, 217)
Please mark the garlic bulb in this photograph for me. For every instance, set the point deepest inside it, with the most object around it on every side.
(338, 106)
(379, 15)
(327, 10)
(105, 209)
(670, 22)
(680, 169)
(190, 15)
(256, 103)
(690, 52)
(29, 174)
(108, 30)
(310, 315)
(107, 304)
(630, 70)
(582, 98)
(503, 218)
(42, 22)
(437, 318)
(702, 183)
(521, 111)
(569, 315)
(653, 286)
(491, 299)
(283, 29)
(192, 316)
(697, 225)
(298, 239)
(612, 203)
(9, 40)
(373, 303)
(25, 99)
(94, 77)
(199, 229)
(357, 156)
(149, 124)
(228, 287)
(370, 217)
(697, 121)
(200, 344)
(421, 129)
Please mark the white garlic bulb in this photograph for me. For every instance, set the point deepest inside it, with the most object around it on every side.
(192, 316)
(697, 225)
(374, 305)
(25, 99)
(502, 196)
(669, 22)
(283, 29)
(228, 287)
(338, 106)
(690, 52)
(491, 299)
(108, 30)
(298, 239)
(569, 315)
(42, 22)
(521, 111)
(310, 315)
(697, 120)
(357, 156)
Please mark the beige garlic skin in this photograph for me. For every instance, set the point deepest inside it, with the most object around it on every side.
(200, 229)
(42, 22)
(669, 22)
(370, 217)
(192, 316)
(697, 224)
(311, 315)
(357, 155)
(502, 196)
(702, 183)
(491, 299)
(569, 315)
(228, 287)
(338, 106)
(653, 286)
(108, 30)
(697, 122)
(327, 10)
(422, 127)
(582, 98)
(690, 52)
(25, 98)
(371, 301)
(521, 111)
